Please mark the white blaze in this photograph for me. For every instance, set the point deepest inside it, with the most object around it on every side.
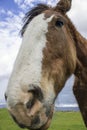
(28, 66)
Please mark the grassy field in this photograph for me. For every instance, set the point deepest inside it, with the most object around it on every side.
(61, 121)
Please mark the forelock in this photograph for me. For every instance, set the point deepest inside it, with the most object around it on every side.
(32, 13)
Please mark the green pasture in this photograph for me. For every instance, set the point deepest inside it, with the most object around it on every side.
(61, 121)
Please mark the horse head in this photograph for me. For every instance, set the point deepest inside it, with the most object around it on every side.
(46, 59)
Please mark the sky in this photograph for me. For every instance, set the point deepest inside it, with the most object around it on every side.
(11, 15)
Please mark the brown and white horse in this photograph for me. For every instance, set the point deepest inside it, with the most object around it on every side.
(52, 49)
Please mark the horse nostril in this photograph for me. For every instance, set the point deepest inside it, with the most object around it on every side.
(30, 103)
(35, 121)
(37, 92)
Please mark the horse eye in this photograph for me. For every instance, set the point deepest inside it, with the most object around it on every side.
(59, 23)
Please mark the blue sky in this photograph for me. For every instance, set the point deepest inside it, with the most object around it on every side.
(11, 14)
(8, 4)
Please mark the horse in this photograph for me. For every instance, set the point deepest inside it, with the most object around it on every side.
(52, 50)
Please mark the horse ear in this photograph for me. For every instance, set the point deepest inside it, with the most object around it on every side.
(80, 90)
(63, 6)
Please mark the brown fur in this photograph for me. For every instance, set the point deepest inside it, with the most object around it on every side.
(59, 64)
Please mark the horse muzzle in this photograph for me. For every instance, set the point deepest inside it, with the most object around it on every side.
(39, 121)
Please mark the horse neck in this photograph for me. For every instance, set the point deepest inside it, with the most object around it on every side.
(81, 49)
(80, 43)
(80, 84)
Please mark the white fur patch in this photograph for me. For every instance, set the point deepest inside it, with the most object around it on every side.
(28, 66)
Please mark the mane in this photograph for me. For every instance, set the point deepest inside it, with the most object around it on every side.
(31, 14)
(80, 42)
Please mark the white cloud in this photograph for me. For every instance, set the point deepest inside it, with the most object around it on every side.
(9, 41)
(9, 13)
(2, 11)
(8, 52)
(30, 3)
(78, 15)
(24, 4)
(18, 1)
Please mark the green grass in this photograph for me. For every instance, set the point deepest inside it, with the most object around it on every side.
(61, 121)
